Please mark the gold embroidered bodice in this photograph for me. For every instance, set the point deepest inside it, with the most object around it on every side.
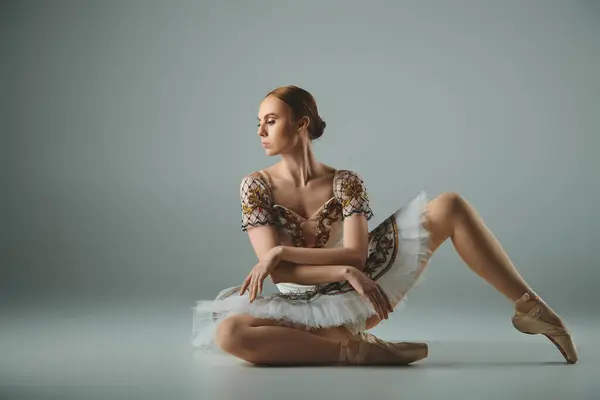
(322, 229)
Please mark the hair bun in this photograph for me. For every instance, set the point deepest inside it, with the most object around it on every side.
(318, 131)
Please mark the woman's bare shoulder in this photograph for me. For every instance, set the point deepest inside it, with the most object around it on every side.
(328, 168)
(271, 169)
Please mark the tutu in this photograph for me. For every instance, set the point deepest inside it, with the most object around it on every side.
(398, 252)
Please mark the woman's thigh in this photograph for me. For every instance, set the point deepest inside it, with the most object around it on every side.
(336, 333)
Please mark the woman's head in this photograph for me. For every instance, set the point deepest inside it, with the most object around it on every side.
(287, 116)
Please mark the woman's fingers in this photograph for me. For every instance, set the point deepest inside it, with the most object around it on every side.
(382, 304)
(385, 300)
(388, 303)
(250, 287)
(253, 284)
(257, 286)
(245, 284)
(371, 295)
(380, 301)
(376, 303)
(253, 288)
(261, 278)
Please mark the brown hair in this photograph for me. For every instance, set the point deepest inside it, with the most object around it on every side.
(302, 104)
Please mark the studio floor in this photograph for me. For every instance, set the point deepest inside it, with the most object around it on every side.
(143, 352)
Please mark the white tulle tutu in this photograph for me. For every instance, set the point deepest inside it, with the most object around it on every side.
(399, 252)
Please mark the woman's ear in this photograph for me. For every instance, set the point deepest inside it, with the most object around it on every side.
(303, 124)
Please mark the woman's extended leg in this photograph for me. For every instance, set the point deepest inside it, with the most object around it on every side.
(451, 216)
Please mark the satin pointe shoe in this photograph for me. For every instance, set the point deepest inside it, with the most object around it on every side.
(415, 351)
(533, 322)
(366, 349)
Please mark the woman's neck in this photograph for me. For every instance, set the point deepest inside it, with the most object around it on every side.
(300, 165)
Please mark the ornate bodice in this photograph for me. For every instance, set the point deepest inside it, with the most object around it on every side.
(322, 229)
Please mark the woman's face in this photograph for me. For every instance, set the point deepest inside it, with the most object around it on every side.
(277, 130)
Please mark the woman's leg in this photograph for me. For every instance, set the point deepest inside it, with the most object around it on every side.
(451, 216)
(262, 341)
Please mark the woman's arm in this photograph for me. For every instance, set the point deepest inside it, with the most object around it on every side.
(313, 265)
(309, 274)
(319, 256)
(315, 274)
(353, 252)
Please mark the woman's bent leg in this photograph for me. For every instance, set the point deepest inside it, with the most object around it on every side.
(262, 341)
(449, 216)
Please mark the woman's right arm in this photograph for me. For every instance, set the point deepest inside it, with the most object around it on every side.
(264, 238)
(309, 274)
(315, 274)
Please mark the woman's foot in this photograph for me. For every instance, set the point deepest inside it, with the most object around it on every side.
(415, 350)
(534, 316)
(366, 349)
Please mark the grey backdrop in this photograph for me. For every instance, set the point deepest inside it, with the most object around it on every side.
(128, 125)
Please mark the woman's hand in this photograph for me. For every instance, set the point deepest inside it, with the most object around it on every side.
(371, 290)
(254, 281)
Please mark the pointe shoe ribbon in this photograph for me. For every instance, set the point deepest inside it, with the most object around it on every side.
(352, 351)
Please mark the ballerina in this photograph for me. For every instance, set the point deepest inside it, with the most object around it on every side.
(307, 223)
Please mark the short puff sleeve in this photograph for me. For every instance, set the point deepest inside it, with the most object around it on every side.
(256, 202)
(352, 194)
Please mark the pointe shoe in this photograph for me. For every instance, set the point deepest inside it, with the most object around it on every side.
(366, 349)
(412, 351)
(532, 323)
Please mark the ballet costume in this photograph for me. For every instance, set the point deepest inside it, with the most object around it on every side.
(398, 252)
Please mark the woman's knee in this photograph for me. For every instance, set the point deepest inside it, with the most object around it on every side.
(372, 322)
(232, 334)
(448, 204)
(442, 211)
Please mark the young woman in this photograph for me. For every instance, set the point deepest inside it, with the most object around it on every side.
(307, 223)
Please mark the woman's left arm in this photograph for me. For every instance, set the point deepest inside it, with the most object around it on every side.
(332, 256)
(353, 252)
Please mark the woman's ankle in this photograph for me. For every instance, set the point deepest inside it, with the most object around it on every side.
(530, 300)
(527, 301)
(526, 297)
